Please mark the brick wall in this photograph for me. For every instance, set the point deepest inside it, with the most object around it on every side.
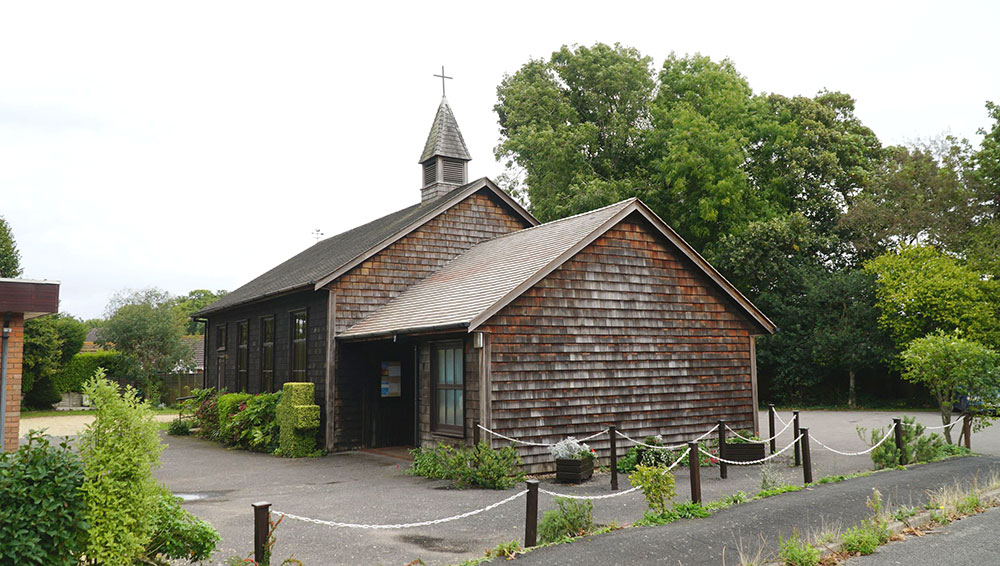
(15, 351)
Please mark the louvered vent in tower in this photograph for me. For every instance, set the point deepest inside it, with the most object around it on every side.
(430, 172)
(454, 171)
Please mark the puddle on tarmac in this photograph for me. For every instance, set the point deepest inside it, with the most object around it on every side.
(200, 496)
(436, 544)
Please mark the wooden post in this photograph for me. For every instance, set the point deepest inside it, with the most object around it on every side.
(807, 465)
(723, 470)
(261, 527)
(475, 433)
(695, 472)
(531, 515)
(613, 436)
(795, 433)
(899, 441)
(967, 429)
(770, 425)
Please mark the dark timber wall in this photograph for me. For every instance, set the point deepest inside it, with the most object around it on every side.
(281, 308)
(381, 278)
(626, 331)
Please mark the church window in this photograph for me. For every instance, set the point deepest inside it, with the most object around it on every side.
(299, 333)
(448, 385)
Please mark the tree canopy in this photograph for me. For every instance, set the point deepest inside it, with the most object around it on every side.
(10, 257)
(793, 198)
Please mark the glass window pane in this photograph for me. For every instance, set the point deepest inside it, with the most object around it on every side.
(442, 408)
(458, 367)
(449, 368)
(458, 407)
(440, 367)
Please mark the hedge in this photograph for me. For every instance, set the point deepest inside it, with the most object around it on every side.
(83, 366)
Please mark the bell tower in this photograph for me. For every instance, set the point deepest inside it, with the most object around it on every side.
(444, 163)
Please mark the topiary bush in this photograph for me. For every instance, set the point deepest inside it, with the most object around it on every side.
(42, 510)
(298, 421)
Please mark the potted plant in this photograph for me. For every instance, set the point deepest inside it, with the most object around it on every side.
(574, 460)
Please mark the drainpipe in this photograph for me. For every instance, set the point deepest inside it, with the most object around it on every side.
(3, 382)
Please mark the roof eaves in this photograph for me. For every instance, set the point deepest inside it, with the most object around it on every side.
(409, 330)
(210, 309)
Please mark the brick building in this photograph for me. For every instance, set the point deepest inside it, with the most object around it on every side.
(20, 300)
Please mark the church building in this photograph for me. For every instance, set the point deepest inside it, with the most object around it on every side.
(463, 308)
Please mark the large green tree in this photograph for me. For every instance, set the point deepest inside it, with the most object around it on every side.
(10, 258)
(143, 325)
(922, 290)
(186, 305)
(50, 342)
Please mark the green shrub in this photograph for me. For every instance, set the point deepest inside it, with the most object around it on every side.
(205, 407)
(119, 450)
(859, 540)
(479, 465)
(573, 518)
(177, 534)
(42, 395)
(228, 404)
(179, 427)
(42, 510)
(253, 424)
(298, 421)
(796, 552)
(689, 510)
(917, 447)
(656, 457)
(83, 366)
(657, 485)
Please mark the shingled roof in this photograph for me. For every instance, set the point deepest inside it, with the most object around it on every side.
(475, 285)
(445, 139)
(318, 264)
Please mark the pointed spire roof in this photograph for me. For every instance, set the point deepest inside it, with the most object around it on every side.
(445, 139)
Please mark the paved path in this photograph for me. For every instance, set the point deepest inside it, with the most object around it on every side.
(973, 540)
(715, 540)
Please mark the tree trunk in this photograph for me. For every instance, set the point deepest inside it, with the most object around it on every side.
(852, 394)
(946, 420)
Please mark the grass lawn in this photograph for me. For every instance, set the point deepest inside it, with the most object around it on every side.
(54, 413)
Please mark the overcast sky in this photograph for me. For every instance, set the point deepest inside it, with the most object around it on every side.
(196, 145)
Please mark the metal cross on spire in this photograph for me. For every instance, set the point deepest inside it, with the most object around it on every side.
(443, 77)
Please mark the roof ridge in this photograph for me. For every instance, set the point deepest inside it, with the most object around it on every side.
(621, 203)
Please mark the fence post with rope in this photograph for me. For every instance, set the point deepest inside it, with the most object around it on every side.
(475, 433)
(795, 433)
(723, 470)
(613, 437)
(531, 515)
(807, 466)
(770, 425)
(897, 423)
(694, 465)
(261, 526)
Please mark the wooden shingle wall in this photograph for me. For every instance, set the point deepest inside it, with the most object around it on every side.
(381, 278)
(626, 331)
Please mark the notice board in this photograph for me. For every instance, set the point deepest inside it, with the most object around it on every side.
(391, 379)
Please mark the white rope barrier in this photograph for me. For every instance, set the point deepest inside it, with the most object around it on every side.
(529, 443)
(876, 445)
(404, 525)
(668, 448)
(776, 435)
(949, 425)
(751, 462)
(783, 420)
(609, 496)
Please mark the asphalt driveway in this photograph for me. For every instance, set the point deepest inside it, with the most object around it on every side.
(366, 488)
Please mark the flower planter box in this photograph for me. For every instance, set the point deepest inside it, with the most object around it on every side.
(748, 452)
(572, 470)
